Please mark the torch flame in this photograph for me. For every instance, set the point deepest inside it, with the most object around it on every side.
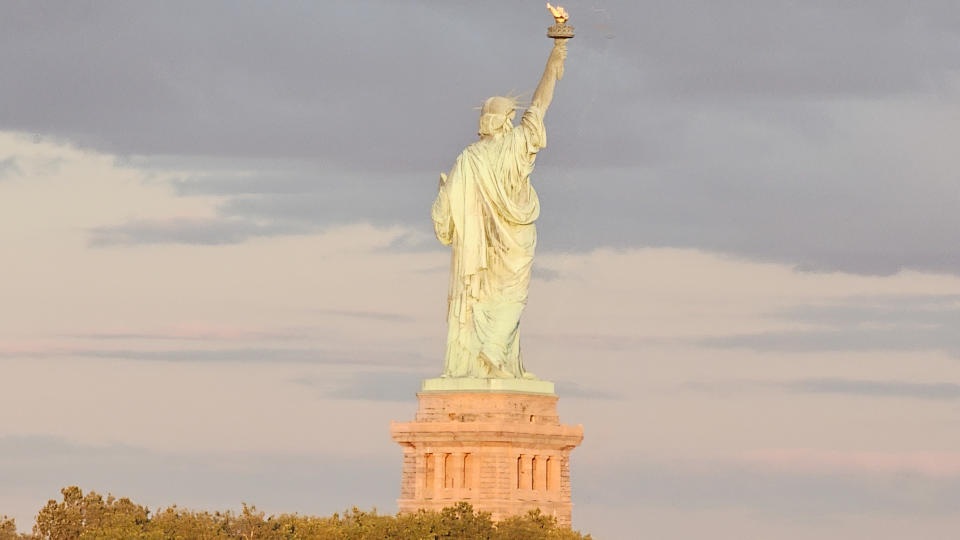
(559, 14)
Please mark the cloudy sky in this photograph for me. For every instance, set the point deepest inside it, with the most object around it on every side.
(220, 282)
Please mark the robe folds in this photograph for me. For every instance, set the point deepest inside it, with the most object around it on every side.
(485, 210)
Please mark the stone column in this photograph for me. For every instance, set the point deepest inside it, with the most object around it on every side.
(526, 473)
(553, 474)
(456, 473)
(540, 473)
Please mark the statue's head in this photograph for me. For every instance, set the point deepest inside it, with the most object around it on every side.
(497, 114)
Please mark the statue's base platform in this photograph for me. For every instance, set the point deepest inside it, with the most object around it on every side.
(464, 384)
(502, 450)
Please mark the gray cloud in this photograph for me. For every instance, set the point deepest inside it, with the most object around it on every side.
(416, 240)
(779, 131)
(904, 323)
(162, 79)
(597, 341)
(829, 385)
(211, 336)
(818, 216)
(216, 231)
(798, 495)
(301, 199)
(778, 49)
(381, 316)
(360, 203)
(165, 79)
(307, 355)
(8, 167)
(939, 391)
(911, 310)
(861, 339)
(394, 386)
(545, 274)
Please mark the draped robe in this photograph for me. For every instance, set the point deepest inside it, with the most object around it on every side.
(485, 210)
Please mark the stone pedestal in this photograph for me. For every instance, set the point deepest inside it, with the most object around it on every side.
(499, 446)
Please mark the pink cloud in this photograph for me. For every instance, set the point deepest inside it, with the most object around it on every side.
(72, 344)
(218, 331)
(808, 460)
(193, 330)
(14, 347)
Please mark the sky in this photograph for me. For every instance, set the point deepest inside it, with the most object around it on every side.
(220, 282)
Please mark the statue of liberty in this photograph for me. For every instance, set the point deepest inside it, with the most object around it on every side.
(485, 210)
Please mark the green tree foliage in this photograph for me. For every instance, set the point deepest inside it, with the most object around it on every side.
(91, 517)
(8, 529)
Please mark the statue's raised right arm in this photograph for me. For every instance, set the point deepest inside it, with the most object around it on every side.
(543, 95)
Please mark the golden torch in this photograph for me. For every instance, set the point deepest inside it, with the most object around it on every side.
(561, 30)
